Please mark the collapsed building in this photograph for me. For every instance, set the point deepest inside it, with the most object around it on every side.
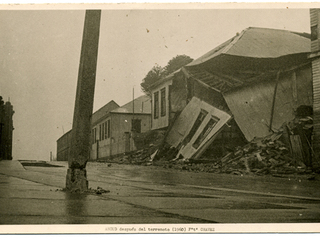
(244, 89)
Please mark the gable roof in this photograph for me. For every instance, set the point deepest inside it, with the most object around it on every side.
(260, 43)
(255, 54)
(103, 111)
(142, 104)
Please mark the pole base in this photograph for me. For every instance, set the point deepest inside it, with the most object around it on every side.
(76, 180)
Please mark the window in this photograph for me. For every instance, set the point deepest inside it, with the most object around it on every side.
(163, 102)
(207, 129)
(100, 132)
(196, 125)
(105, 130)
(109, 127)
(136, 125)
(94, 135)
(156, 105)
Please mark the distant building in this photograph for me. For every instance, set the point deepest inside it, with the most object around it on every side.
(113, 129)
(63, 146)
(64, 142)
(114, 133)
(6, 130)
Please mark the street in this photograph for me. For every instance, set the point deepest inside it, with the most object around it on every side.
(150, 194)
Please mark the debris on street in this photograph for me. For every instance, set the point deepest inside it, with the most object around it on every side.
(287, 151)
(100, 190)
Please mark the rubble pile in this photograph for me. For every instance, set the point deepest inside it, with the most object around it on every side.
(140, 157)
(152, 138)
(261, 157)
(287, 151)
(277, 154)
(267, 156)
(147, 144)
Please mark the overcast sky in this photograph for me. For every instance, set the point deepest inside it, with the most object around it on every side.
(40, 52)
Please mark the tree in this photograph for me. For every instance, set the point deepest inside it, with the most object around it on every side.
(176, 63)
(157, 72)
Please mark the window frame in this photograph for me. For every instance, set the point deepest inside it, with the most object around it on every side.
(196, 125)
(205, 131)
(163, 106)
(156, 105)
(109, 128)
(133, 125)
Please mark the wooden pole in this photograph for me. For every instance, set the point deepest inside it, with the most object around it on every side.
(81, 128)
(274, 100)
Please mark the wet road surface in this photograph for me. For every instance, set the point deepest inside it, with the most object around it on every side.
(141, 194)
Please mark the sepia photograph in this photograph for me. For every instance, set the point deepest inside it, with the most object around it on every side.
(159, 118)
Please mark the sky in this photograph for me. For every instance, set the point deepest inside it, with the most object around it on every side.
(40, 53)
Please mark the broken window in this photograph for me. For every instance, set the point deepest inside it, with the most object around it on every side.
(163, 102)
(156, 105)
(136, 125)
(196, 125)
(207, 129)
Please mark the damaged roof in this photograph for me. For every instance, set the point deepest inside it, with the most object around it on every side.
(255, 54)
(253, 59)
(260, 43)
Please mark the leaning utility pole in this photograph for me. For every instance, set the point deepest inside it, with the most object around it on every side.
(81, 128)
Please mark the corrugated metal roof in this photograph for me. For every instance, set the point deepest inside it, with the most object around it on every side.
(260, 43)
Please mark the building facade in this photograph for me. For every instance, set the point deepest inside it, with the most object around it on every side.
(114, 133)
(113, 129)
(63, 146)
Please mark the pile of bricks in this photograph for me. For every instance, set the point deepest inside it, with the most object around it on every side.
(273, 155)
